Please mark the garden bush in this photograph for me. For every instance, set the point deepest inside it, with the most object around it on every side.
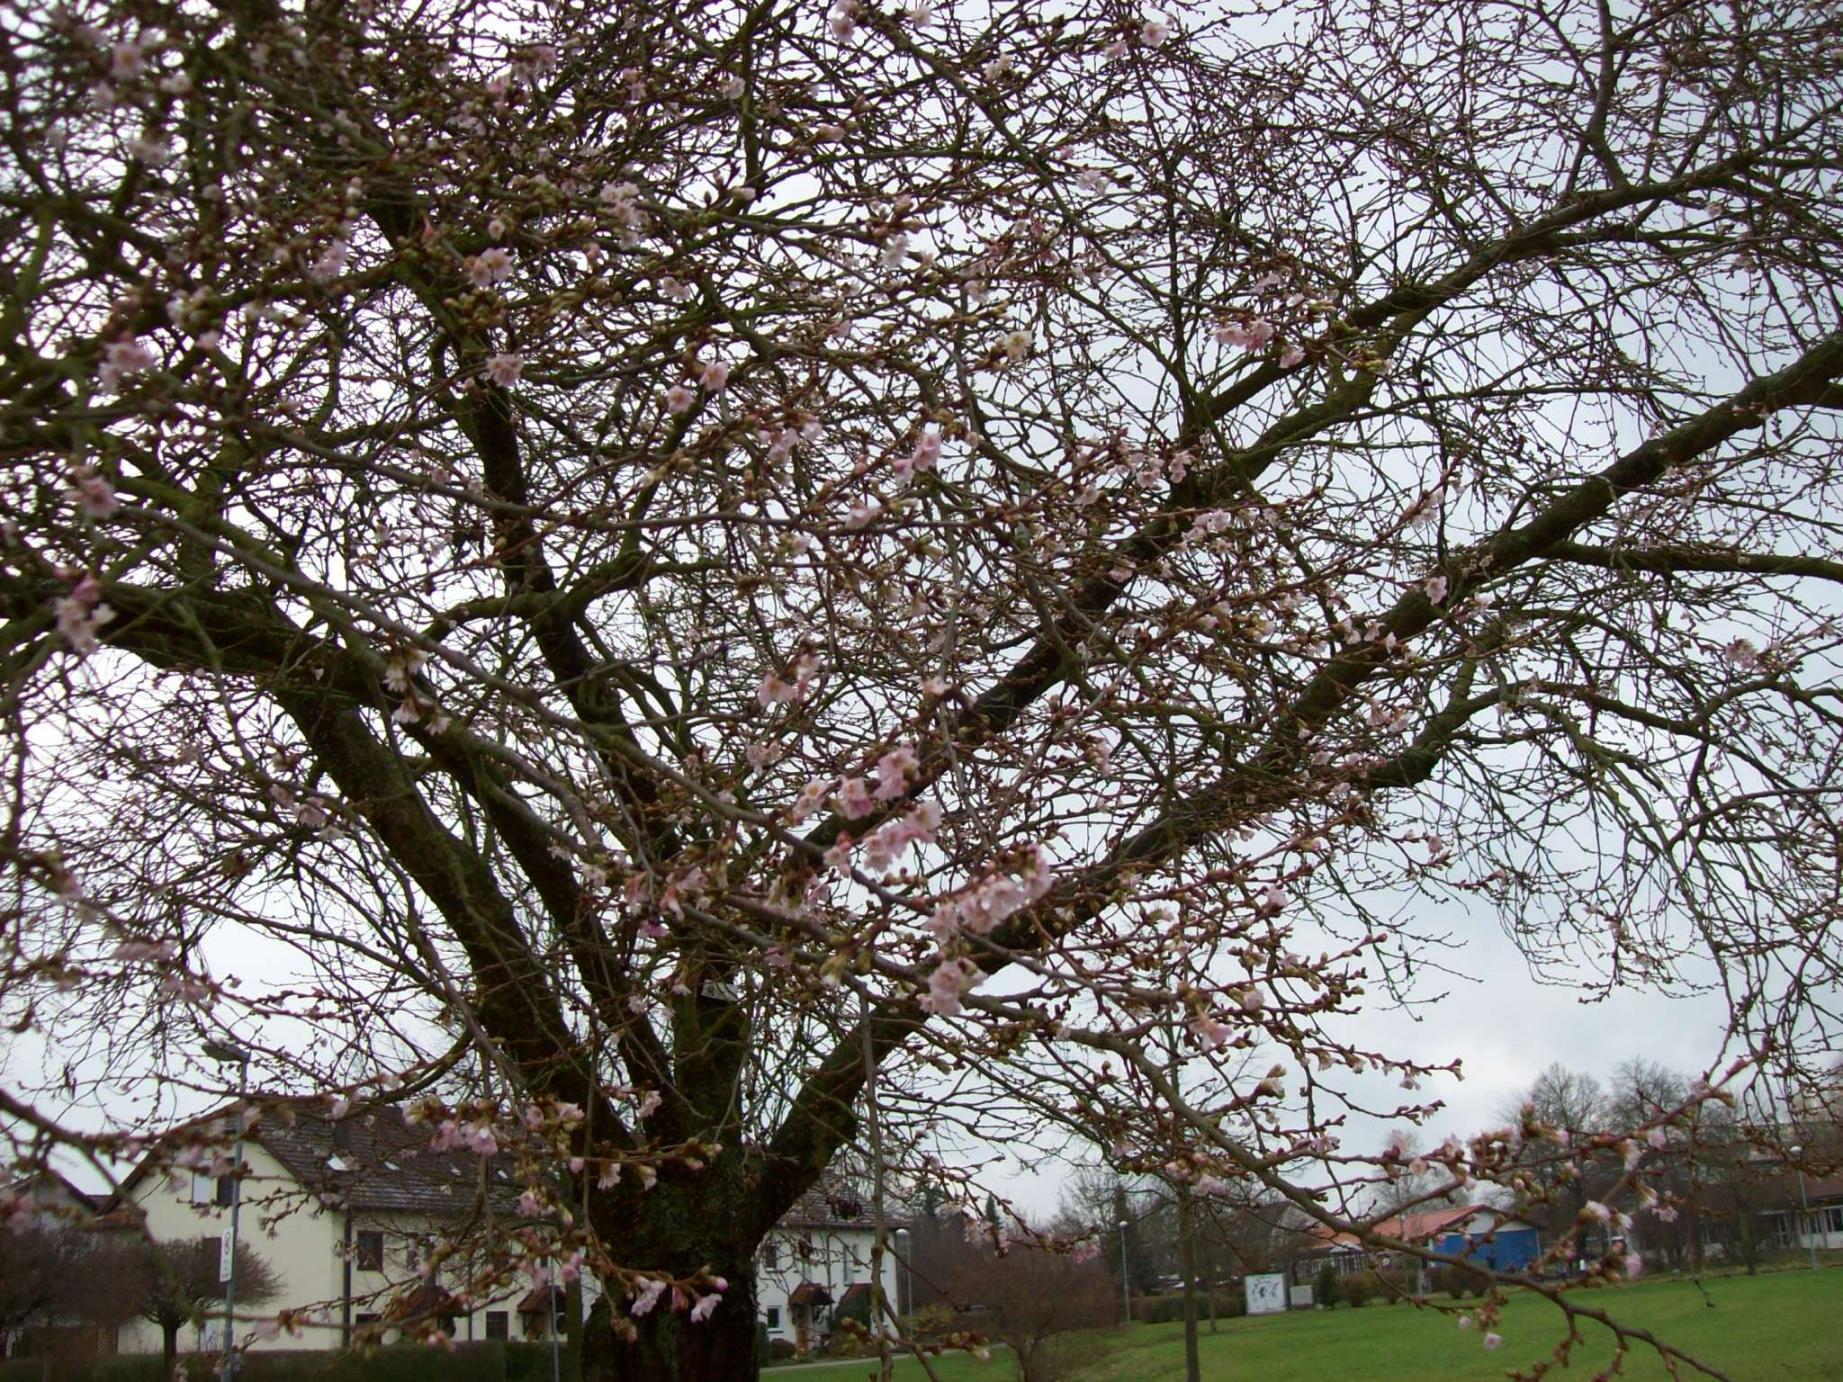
(1354, 1290)
(1325, 1289)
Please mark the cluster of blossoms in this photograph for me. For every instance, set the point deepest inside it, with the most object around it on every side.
(700, 1305)
(778, 690)
(979, 909)
(121, 359)
(81, 613)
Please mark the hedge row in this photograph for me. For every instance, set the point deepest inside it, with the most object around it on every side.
(1165, 1309)
(490, 1361)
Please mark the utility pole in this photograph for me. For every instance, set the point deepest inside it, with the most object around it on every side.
(225, 1053)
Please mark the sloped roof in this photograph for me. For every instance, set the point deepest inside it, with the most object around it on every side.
(809, 1293)
(376, 1161)
(368, 1160)
(834, 1202)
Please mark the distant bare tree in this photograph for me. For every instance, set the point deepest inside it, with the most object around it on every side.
(175, 1284)
(1037, 1297)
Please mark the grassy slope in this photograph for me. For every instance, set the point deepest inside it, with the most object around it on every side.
(1784, 1326)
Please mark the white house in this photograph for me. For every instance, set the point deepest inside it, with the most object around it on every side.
(345, 1212)
(818, 1261)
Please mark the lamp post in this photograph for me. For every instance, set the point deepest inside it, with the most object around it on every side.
(905, 1286)
(1126, 1295)
(224, 1053)
(1804, 1210)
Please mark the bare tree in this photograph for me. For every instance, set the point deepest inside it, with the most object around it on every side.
(616, 565)
(175, 1284)
(1038, 1298)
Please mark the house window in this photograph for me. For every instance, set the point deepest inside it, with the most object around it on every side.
(369, 1254)
(498, 1324)
(806, 1249)
(227, 1190)
(774, 1317)
(771, 1253)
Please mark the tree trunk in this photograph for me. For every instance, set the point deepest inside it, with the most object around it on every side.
(1187, 1251)
(169, 1349)
(665, 1345)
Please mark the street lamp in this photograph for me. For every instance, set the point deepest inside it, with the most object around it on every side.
(905, 1285)
(1804, 1210)
(224, 1053)
(1126, 1295)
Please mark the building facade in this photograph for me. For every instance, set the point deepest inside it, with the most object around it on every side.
(816, 1268)
(349, 1215)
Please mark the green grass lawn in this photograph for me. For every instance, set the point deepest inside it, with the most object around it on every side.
(1786, 1325)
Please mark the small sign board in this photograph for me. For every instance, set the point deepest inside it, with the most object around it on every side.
(225, 1257)
(1302, 1297)
(1267, 1294)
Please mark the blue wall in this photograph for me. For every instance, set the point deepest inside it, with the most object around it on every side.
(1509, 1249)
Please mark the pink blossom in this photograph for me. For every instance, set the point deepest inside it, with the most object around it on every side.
(529, 1205)
(1249, 335)
(480, 1140)
(489, 266)
(1291, 355)
(1154, 32)
(1494, 1341)
(679, 399)
(949, 980)
(331, 263)
(862, 514)
(706, 1307)
(927, 450)
(122, 358)
(1633, 1265)
(1742, 653)
(854, 800)
(1211, 1185)
(714, 376)
(126, 60)
(135, 951)
(1658, 1138)
(1435, 588)
(647, 1296)
(1211, 1035)
(81, 614)
(774, 691)
(505, 368)
(811, 797)
(893, 770)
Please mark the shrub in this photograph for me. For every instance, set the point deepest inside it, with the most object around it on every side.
(780, 1350)
(1389, 1285)
(1158, 1309)
(930, 1322)
(1459, 1282)
(1355, 1290)
(1325, 1289)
